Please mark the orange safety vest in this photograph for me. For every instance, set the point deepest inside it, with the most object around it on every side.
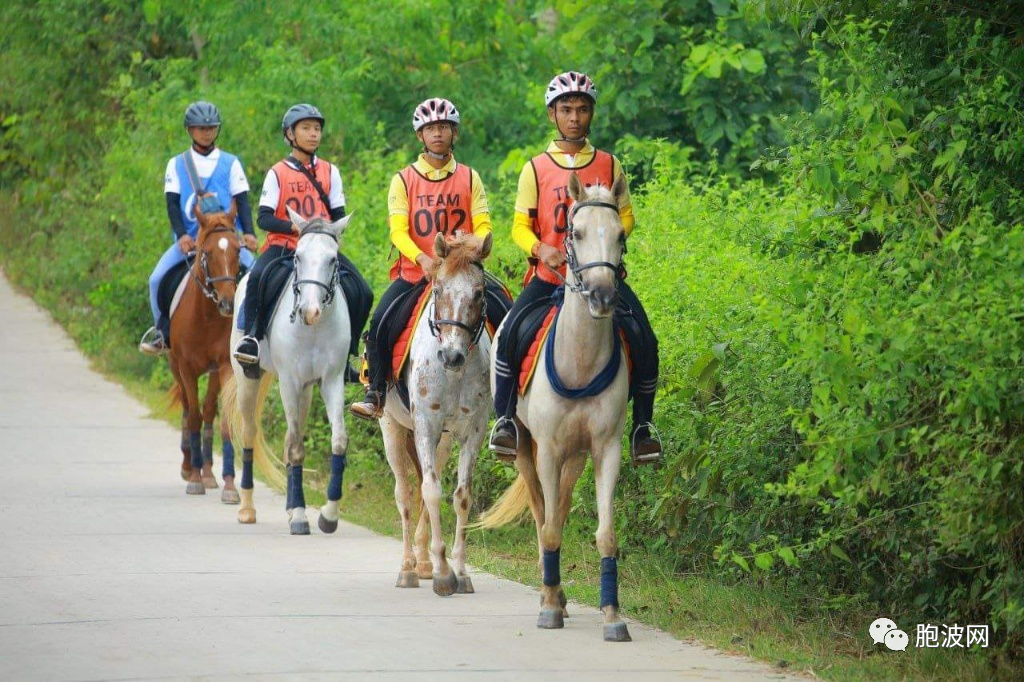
(300, 194)
(434, 206)
(551, 217)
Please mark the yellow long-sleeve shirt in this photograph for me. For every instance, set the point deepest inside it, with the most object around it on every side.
(526, 195)
(398, 206)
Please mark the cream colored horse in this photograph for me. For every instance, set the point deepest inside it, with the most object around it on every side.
(449, 398)
(556, 428)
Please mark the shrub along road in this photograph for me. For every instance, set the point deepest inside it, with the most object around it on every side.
(109, 571)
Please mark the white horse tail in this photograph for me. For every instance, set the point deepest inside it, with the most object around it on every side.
(510, 507)
(263, 461)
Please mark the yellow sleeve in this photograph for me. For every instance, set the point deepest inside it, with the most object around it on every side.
(625, 203)
(479, 208)
(398, 219)
(526, 201)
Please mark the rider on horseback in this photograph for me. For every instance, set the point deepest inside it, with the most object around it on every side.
(433, 194)
(219, 174)
(312, 187)
(539, 226)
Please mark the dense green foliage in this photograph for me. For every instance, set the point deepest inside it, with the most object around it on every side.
(828, 242)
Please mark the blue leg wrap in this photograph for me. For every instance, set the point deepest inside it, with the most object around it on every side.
(195, 442)
(295, 496)
(229, 458)
(208, 443)
(609, 582)
(337, 473)
(552, 573)
(247, 468)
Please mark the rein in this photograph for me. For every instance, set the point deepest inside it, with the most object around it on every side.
(329, 287)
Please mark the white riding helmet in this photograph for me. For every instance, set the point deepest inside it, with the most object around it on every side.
(434, 110)
(570, 83)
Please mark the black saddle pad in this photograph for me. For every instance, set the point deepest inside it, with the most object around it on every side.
(273, 281)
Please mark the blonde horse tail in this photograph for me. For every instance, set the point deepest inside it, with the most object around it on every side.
(268, 465)
(172, 400)
(510, 507)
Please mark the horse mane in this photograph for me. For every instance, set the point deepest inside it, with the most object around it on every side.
(463, 251)
(316, 224)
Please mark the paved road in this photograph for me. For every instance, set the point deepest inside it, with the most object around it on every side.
(108, 571)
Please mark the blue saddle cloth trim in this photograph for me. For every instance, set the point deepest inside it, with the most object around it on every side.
(603, 379)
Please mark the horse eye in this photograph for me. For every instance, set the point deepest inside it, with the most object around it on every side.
(577, 234)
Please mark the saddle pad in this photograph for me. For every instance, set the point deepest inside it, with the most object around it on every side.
(528, 364)
(272, 283)
(167, 294)
(402, 345)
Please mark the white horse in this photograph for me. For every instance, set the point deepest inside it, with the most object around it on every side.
(446, 375)
(307, 344)
(557, 428)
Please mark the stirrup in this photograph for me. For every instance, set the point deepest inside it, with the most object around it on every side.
(646, 457)
(247, 358)
(503, 451)
(368, 409)
(153, 343)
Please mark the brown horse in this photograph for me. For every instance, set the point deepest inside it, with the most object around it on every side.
(200, 331)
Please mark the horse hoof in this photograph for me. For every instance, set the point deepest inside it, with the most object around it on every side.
(465, 585)
(550, 619)
(445, 587)
(300, 527)
(209, 482)
(616, 632)
(247, 516)
(229, 496)
(186, 474)
(195, 488)
(407, 579)
(326, 526)
(425, 570)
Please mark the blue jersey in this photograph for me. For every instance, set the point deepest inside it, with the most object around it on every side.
(219, 183)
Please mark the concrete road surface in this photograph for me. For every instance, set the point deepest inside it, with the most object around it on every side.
(108, 571)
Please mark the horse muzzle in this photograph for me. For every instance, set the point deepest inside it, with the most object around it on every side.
(226, 307)
(601, 301)
(312, 315)
(452, 359)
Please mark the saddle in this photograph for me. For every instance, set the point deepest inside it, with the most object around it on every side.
(168, 294)
(273, 281)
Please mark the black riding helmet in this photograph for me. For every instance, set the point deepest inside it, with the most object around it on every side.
(201, 114)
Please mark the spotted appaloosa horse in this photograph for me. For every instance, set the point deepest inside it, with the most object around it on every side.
(307, 344)
(450, 399)
(200, 330)
(558, 427)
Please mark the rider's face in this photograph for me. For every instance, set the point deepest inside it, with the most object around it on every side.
(306, 134)
(572, 116)
(438, 137)
(204, 136)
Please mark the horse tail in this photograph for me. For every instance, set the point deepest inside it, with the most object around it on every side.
(270, 468)
(509, 507)
(172, 400)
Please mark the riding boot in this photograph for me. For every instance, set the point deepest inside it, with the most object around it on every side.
(504, 436)
(644, 448)
(372, 405)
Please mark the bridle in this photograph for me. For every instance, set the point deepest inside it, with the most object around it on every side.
(570, 251)
(474, 332)
(329, 287)
(206, 284)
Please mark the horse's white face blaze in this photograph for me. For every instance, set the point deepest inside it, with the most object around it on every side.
(316, 260)
(596, 237)
(458, 297)
(221, 248)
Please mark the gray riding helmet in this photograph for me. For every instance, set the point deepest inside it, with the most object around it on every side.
(201, 114)
(300, 112)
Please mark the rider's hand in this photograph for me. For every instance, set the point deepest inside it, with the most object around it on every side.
(425, 262)
(186, 244)
(249, 241)
(550, 256)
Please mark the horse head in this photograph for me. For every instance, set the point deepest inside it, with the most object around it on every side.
(218, 248)
(458, 308)
(316, 265)
(594, 244)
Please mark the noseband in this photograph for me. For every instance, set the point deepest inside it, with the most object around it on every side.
(206, 284)
(474, 332)
(570, 251)
(329, 287)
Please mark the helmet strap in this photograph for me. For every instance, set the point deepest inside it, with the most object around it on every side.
(204, 151)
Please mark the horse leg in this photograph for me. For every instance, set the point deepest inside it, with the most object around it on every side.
(193, 423)
(248, 393)
(333, 392)
(394, 448)
(424, 567)
(462, 500)
(571, 470)
(297, 400)
(209, 413)
(606, 475)
(230, 494)
(549, 473)
(428, 436)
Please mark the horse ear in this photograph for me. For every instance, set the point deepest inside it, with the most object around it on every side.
(619, 188)
(299, 221)
(485, 247)
(338, 226)
(440, 246)
(575, 186)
